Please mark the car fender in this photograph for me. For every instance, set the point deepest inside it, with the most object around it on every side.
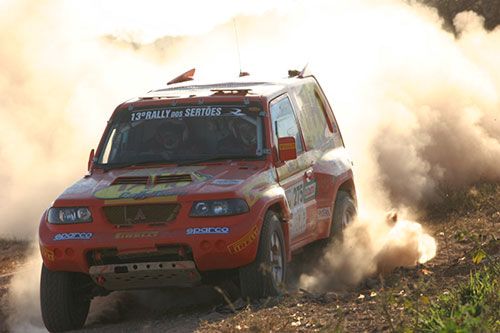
(274, 198)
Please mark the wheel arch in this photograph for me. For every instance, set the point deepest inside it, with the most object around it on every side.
(280, 207)
(348, 186)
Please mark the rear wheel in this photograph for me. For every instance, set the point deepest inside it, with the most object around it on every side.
(64, 299)
(266, 275)
(344, 213)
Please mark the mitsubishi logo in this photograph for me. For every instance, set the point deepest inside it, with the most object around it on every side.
(140, 215)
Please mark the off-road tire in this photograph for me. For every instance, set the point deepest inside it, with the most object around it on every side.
(64, 304)
(344, 212)
(256, 279)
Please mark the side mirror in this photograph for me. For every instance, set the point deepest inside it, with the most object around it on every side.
(91, 160)
(287, 149)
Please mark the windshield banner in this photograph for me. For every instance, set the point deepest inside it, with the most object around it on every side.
(187, 112)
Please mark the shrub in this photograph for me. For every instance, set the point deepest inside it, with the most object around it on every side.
(473, 306)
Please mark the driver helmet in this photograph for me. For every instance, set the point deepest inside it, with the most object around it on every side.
(170, 135)
(245, 130)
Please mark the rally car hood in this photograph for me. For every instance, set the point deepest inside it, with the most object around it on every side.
(170, 181)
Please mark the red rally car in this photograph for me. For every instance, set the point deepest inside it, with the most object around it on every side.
(194, 182)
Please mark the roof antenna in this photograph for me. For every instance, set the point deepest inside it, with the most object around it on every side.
(238, 49)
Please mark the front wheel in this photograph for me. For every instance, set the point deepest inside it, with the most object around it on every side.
(266, 275)
(64, 300)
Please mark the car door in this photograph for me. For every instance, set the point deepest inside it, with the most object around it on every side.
(322, 141)
(294, 176)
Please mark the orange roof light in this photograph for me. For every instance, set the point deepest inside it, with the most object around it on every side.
(187, 76)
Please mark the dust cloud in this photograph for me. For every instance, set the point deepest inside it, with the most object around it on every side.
(371, 246)
(23, 296)
(418, 106)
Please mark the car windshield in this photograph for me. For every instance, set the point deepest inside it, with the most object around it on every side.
(183, 134)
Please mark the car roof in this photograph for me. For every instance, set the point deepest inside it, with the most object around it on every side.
(241, 87)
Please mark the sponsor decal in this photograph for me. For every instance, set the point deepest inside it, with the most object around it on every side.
(47, 254)
(137, 192)
(138, 234)
(152, 200)
(310, 191)
(175, 113)
(141, 191)
(190, 112)
(244, 241)
(224, 182)
(73, 236)
(324, 213)
(295, 196)
(207, 230)
(237, 112)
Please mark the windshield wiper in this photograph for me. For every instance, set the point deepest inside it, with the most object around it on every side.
(110, 166)
(219, 158)
(131, 164)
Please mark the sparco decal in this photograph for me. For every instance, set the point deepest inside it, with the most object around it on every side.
(207, 230)
(73, 236)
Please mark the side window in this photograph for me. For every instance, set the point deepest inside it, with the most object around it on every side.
(284, 122)
(106, 157)
(312, 116)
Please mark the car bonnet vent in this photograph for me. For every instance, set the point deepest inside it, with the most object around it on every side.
(130, 180)
(173, 179)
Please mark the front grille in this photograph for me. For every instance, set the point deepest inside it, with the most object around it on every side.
(172, 179)
(130, 180)
(141, 214)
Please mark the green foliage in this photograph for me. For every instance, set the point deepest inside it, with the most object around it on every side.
(473, 306)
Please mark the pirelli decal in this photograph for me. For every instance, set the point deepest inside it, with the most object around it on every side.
(47, 254)
(138, 234)
(244, 241)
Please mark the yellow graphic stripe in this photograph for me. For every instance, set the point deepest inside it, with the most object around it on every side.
(172, 198)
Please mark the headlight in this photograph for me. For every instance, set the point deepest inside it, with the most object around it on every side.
(219, 207)
(68, 215)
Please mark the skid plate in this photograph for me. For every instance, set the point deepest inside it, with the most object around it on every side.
(146, 275)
